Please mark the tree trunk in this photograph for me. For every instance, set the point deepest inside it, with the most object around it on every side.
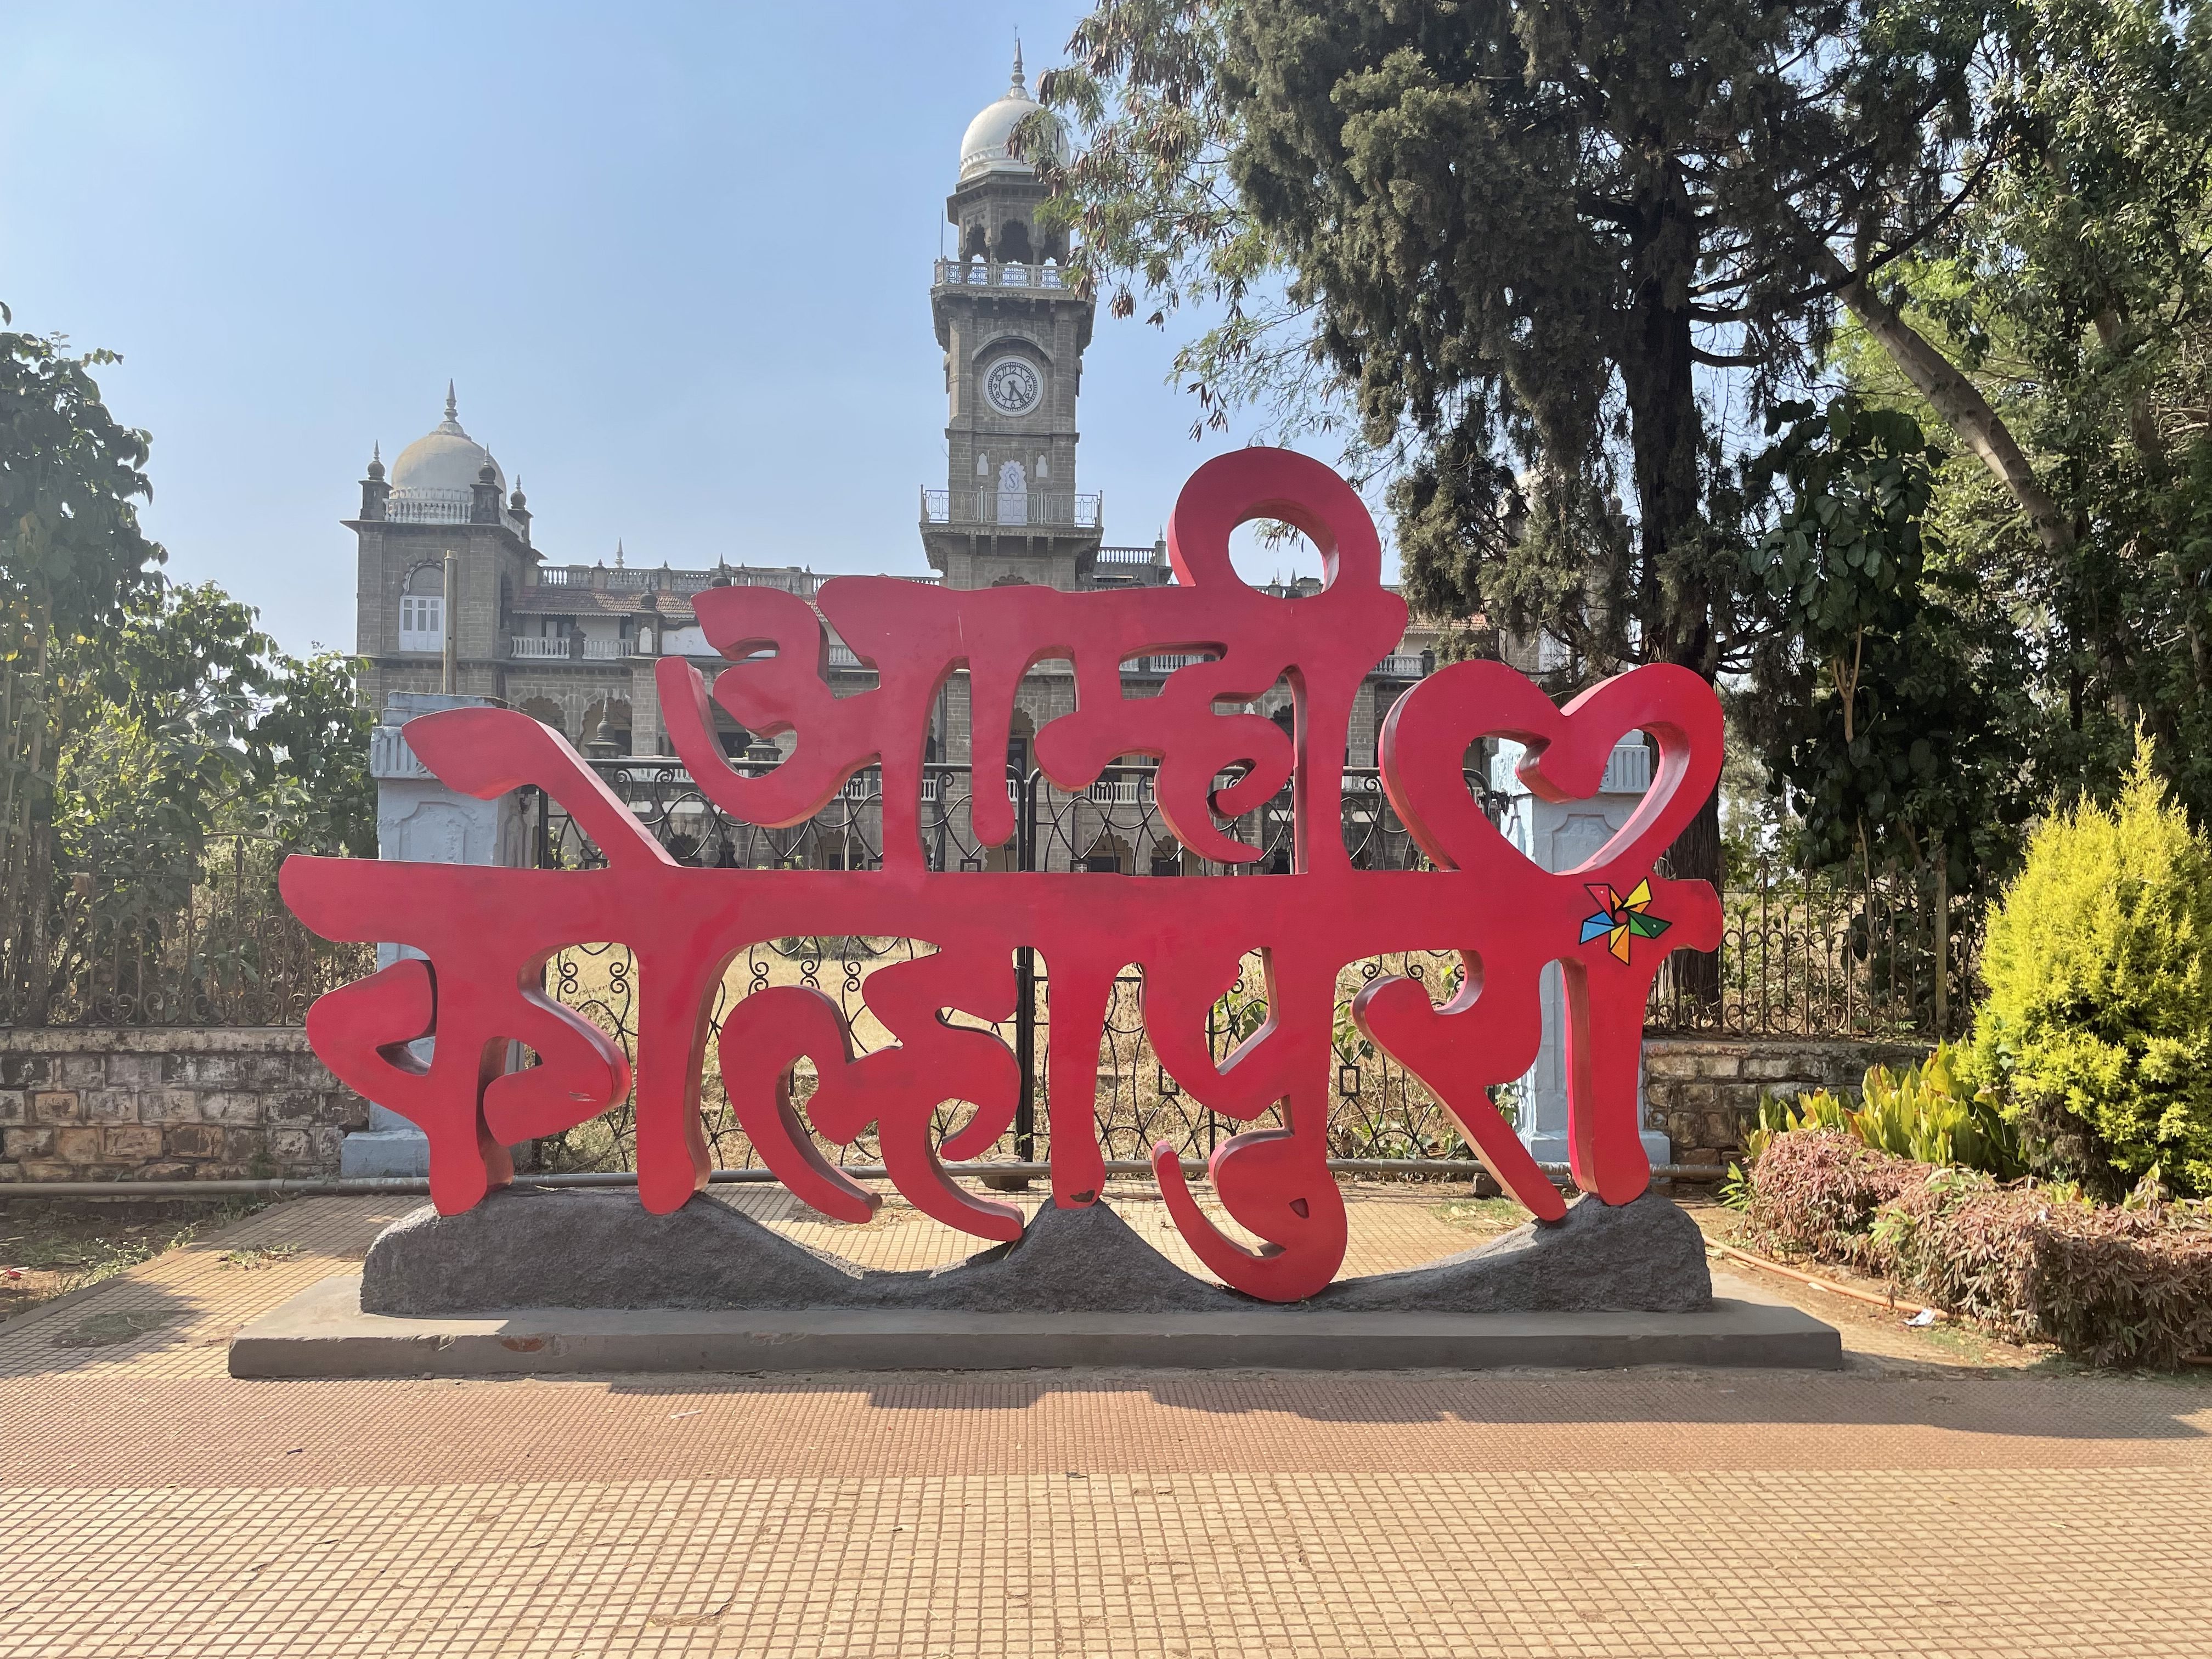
(1942, 939)
(1666, 435)
(1957, 400)
(2142, 420)
(38, 903)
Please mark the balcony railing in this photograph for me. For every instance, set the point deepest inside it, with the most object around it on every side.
(1165, 665)
(1398, 667)
(401, 511)
(559, 647)
(665, 581)
(447, 506)
(979, 273)
(1130, 555)
(1004, 509)
(1123, 792)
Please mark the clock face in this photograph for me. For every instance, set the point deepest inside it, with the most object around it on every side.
(1013, 386)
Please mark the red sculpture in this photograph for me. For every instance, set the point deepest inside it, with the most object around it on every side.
(488, 932)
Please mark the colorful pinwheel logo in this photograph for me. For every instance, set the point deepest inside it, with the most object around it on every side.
(1620, 919)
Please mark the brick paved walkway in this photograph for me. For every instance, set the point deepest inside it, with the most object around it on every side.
(149, 1505)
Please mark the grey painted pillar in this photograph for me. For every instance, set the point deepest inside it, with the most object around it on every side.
(1559, 836)
(421, 821)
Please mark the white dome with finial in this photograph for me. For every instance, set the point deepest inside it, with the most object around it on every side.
(444, 464)
(985, 148)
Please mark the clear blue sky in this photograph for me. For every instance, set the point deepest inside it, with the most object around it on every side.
(676, 257)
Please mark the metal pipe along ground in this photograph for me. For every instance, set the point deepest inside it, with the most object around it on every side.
(284, 1187)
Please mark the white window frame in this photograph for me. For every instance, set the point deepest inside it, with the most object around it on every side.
(421, 622)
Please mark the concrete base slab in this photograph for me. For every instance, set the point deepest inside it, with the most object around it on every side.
(322, 1332)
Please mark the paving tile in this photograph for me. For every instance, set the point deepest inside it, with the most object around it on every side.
(149, 1505)
(1194, 1564)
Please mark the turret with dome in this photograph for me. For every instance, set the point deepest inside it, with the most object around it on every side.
(1014, 331)
(994, 205)
(442, 464)
(445, 477)
(988, 146)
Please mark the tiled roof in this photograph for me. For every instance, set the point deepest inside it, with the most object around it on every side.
(535, 601)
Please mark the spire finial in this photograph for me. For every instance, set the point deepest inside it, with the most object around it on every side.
(1017, 88)
(619, 553)
(452, 411)
(376, 450)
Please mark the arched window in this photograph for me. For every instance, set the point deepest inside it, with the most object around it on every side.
(422, 610)
(1014, 242)
(546, 711)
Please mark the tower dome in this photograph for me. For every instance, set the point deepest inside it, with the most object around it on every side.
(984, 148)
(443, 464)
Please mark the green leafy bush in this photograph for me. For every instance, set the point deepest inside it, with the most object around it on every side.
(1929, 1115)
(1925, 1112)
(2096, 1034)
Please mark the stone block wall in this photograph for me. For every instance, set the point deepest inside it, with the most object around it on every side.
(154, 1104)
(187, 1103)
(1703, 1091)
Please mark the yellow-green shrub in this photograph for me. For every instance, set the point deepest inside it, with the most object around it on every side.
(2096, 1033)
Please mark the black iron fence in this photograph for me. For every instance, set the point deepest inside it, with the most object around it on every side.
(1795, 959)
(1798, 958)
(1819, 956)
(215, 947)
(1114, 826)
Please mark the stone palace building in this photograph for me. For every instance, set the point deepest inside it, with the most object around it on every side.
(575, 643)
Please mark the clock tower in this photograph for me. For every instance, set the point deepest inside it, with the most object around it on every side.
(1013, 332)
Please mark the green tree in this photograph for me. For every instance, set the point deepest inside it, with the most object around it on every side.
(1525, 234)
(2059, 324)
(139, 719)
(1890, 698)
(72, 558)
(310, 751)
(199, 728)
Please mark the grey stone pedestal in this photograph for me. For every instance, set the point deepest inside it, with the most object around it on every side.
(1559, 836)
(420, 821)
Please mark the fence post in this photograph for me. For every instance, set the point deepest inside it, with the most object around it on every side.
(1559, 836)
(420, 820)
(1025, 984)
